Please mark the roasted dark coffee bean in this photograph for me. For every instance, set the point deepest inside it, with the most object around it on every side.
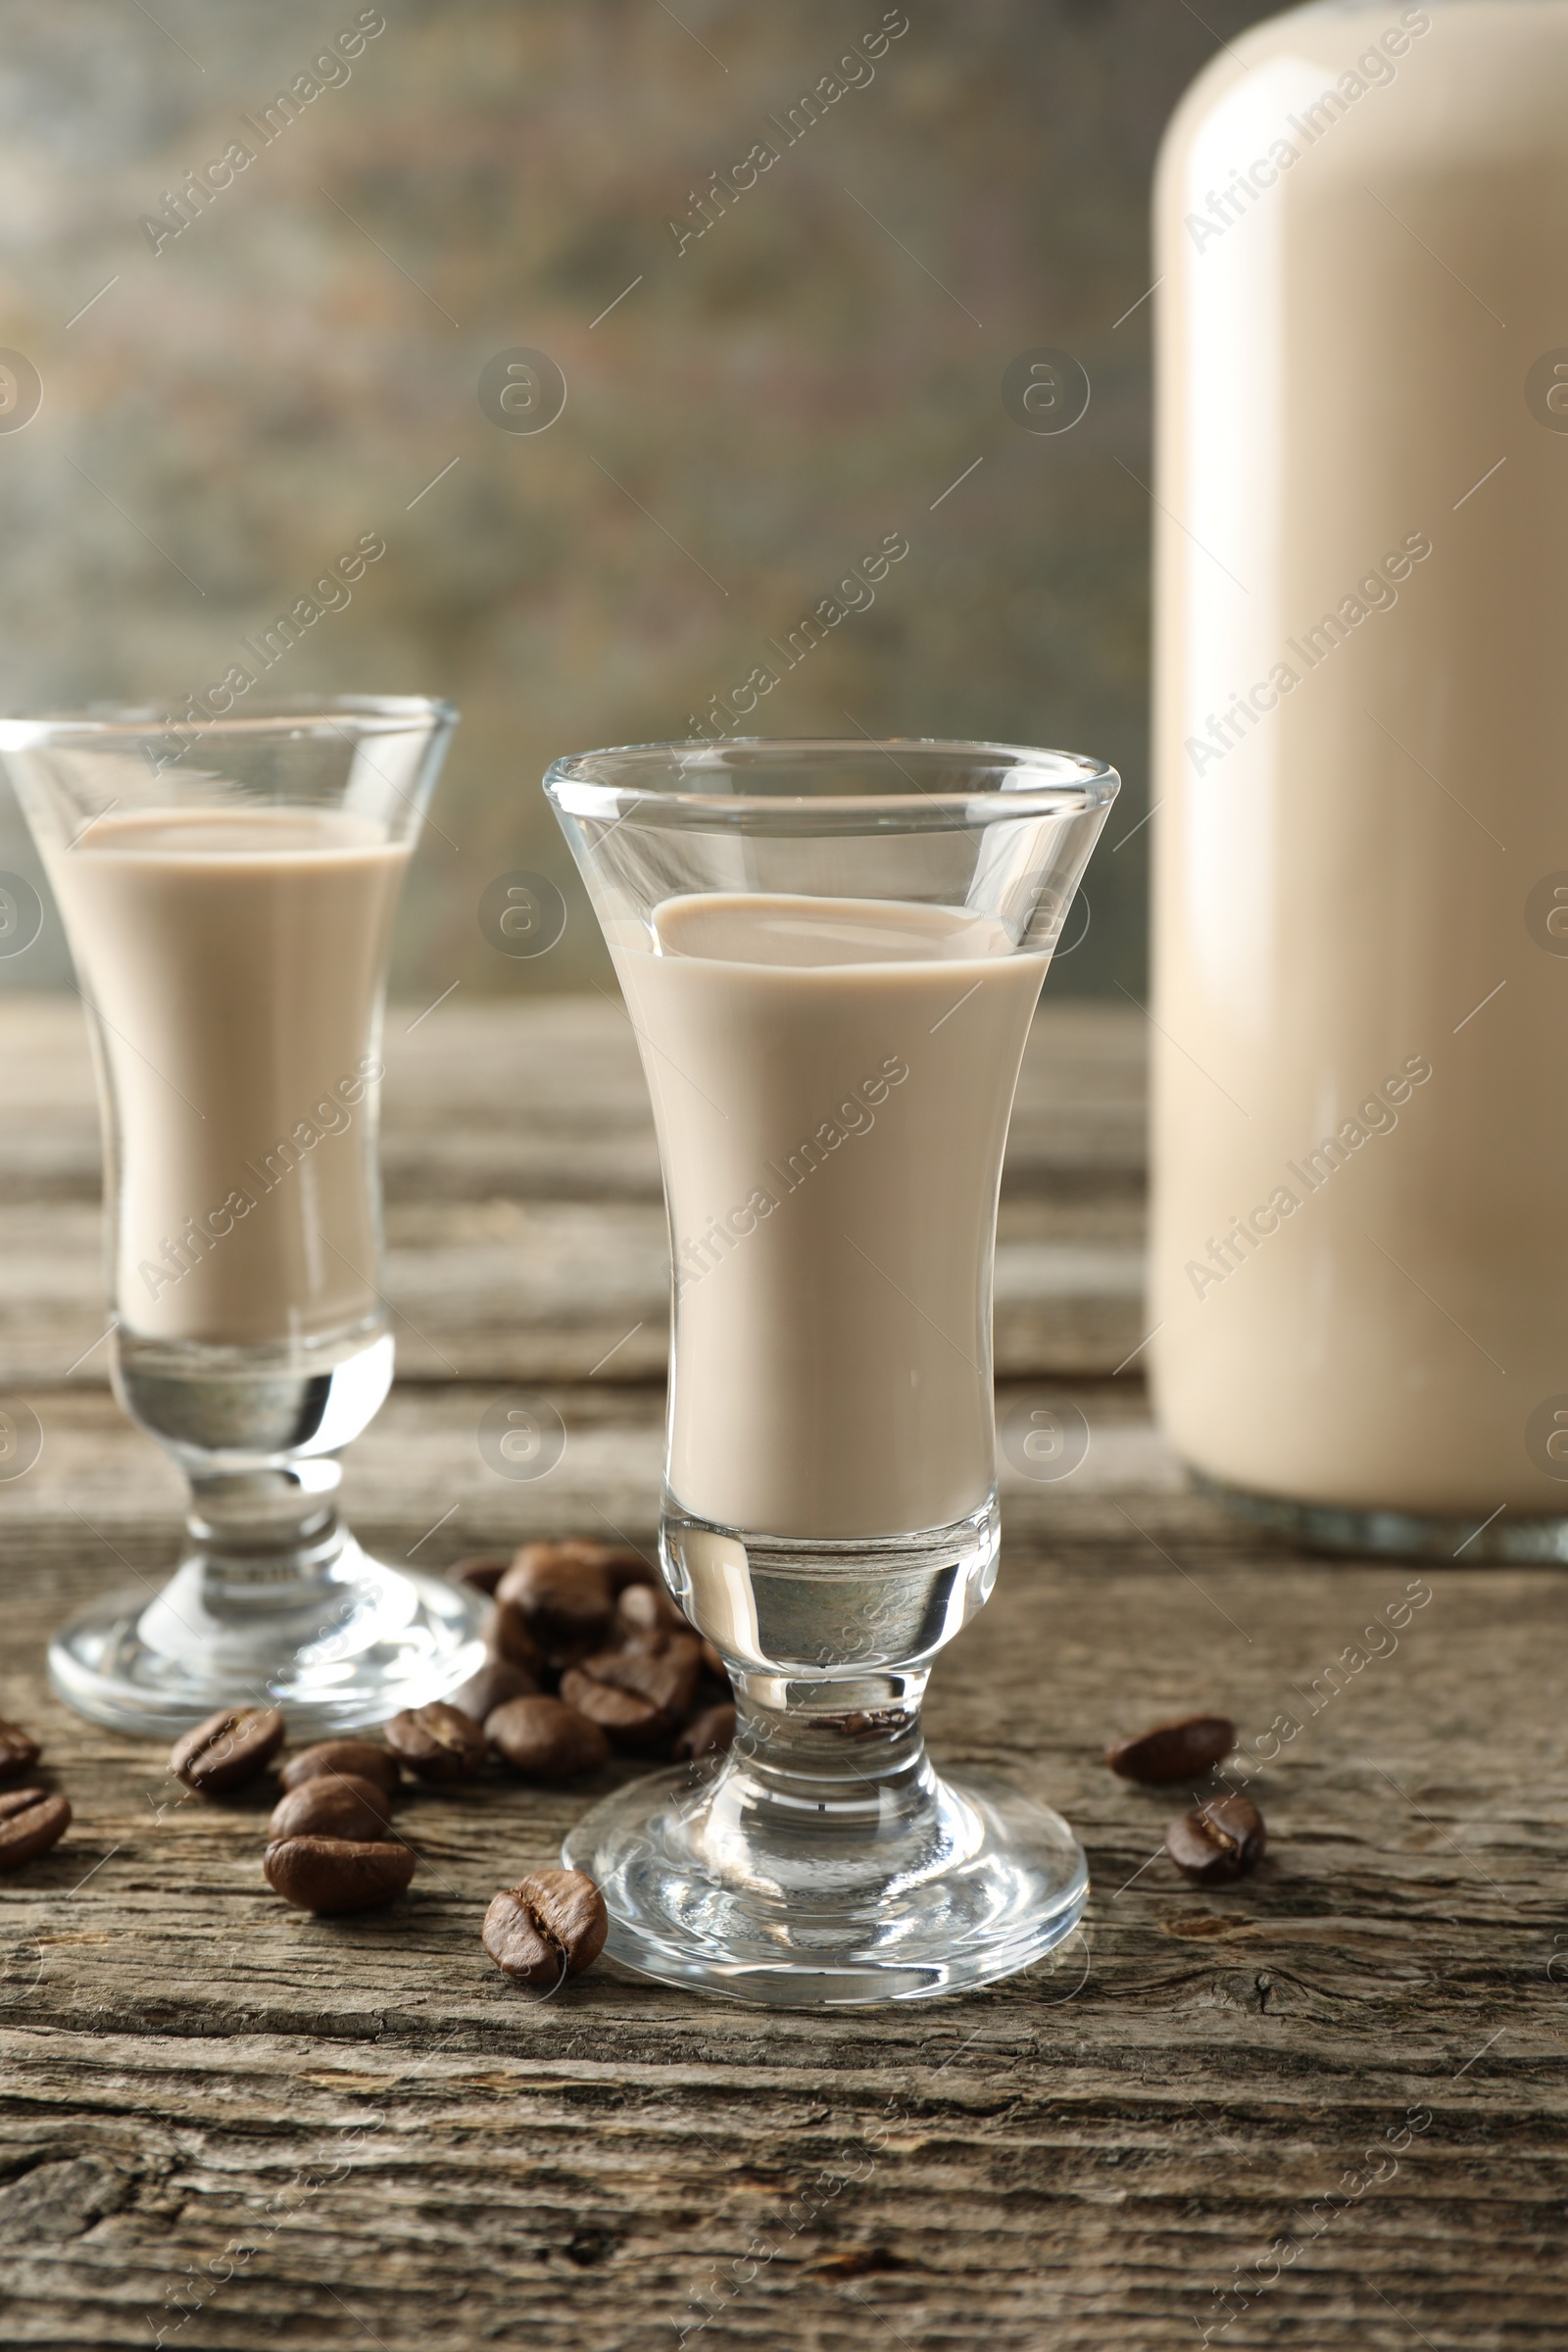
(506, 1635)
(1173, 1751)
(1217, 1841)
(619, 1561)
(568, 1593)
(536, 1566)
(31, 1821)
(631, 1721)
(648, 1610)
(483, 1570)
(709, 1733)
(438, 1742)
(875, 1723)
(714, 1664)
(566, 1599)
(18, 1749)
(336, 1805)
(229, 1748)
(551, 1926)
(495, 1683)
(329, 1874)
(546, 1738)
(663, 1669)
(363, 1760)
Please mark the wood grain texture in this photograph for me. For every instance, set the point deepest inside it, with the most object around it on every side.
(228, 2122)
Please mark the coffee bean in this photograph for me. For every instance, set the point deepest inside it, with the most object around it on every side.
(336, 1805)
(506, 1635)
(18, 1749)
(875, 1723)
(551, 1926)
(31, 1821)
(708, 1735)
(1217, 1841)
(648, 1610)
(662, 1669)
(329, 1874)
(714, 1664)
(568, 1593)
(535, 1566)
(495, 1683)
(546, 1738)
(363, 1759)
(566, 1600)
(1173, 1751)
(631, 1721)
(439, 1743)
(620, 1563)
(483, 1570)
(229, 1748)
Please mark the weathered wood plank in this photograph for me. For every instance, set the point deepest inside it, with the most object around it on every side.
(1081, 2157)
(233, 2125)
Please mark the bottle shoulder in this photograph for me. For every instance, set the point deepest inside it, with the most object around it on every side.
(1468, 73)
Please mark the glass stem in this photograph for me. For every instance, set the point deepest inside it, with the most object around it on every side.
(265, 1537)
(842, 1763)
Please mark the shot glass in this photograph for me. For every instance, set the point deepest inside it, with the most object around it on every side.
(228, 888)
(830, 953)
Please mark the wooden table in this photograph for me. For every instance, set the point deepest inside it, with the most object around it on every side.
(241, 2127)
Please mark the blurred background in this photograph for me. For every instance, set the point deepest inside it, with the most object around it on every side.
(769, 369)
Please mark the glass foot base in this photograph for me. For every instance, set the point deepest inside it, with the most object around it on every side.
(1474, 1540)
(998, 1881)
(366, 1640)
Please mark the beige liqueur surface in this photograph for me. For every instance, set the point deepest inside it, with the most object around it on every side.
(831, 1082)
(1343, 886)
(235, 959)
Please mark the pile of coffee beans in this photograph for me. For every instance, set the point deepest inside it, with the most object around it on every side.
(31, 1820)
(331, 1846)
(1220, 1839)
(586, 1653)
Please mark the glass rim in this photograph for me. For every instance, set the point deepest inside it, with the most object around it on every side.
(109, 722)
(1009, 780)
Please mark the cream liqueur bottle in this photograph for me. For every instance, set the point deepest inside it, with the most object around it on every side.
(1360, 1251)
